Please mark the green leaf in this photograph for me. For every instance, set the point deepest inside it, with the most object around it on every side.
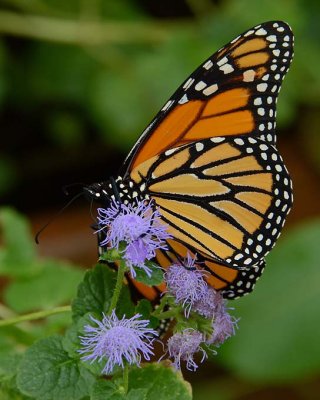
(160, 382)
(18, 255)
(9, 362)
(151, 382)
(71, 340)
(71, 343)
(95, 293)
(103, 390)
(55, 285)
(8, 365)
(280, 326)
(144, 307)
(154, 279)
(46, 372)
(107, 390)
(11, 394)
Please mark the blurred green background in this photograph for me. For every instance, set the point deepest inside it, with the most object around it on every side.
(79, 81)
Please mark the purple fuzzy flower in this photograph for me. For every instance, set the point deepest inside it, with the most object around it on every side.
(224, 326)
(182, 346)
(117, 341)
(139, 226)
(210, 304)
(186, 284)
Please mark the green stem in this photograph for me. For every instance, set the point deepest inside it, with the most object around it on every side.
(72, 31)
(117, 289)
(126, 378)
(35, 315)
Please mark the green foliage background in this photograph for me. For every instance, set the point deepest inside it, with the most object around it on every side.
(79, 80)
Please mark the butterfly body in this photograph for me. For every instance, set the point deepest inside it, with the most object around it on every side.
(209, 161)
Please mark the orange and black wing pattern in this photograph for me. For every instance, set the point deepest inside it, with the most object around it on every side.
(233, 93)
(225, 198)
(231, 283)
(209, 161)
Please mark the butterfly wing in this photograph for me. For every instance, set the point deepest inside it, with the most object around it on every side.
(231, 283)
(208, 160)
(234, 92)
(224, 198)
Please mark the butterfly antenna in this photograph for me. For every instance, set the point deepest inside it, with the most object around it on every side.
(36, 238)
(65, 188)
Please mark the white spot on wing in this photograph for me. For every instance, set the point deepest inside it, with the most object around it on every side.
(223, 60)
(272, 38)
(199, 146)
(226, 68)
(248, 76)
(167, 105)
(183, 99)
(188, 83)
(262, 87)
(261, 32)
(200, 85)
(210, 89)
(208, 64)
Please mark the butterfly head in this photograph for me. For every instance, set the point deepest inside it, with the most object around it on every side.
(118, 189)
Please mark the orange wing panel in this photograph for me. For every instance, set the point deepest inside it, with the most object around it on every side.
(249, 46)
(252, 60)
(227, 101)
(236, 123)
(171, 129)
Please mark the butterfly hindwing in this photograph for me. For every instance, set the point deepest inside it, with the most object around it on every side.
(231, 283)
(226, 198)
(232, 93)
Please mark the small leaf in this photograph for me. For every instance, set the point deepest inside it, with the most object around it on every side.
(46, 372)
(71, 343)
(103, 390)
(71, 340)
(144, 307)
(154, 279)
(95, 293)
(107, 390)
(161, 382)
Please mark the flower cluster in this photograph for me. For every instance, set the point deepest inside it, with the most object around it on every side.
(183, 346)
(189, 288)
(136, 231)
(139, 226)
(117, 341)
(186, 284)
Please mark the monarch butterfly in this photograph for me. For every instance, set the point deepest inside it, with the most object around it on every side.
(209, 162)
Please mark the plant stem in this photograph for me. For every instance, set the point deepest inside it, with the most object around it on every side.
(35, 315)
(117, 289)
(126, 378)
(73, 31)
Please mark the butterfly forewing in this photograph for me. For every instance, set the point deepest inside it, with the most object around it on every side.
(232, 93)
